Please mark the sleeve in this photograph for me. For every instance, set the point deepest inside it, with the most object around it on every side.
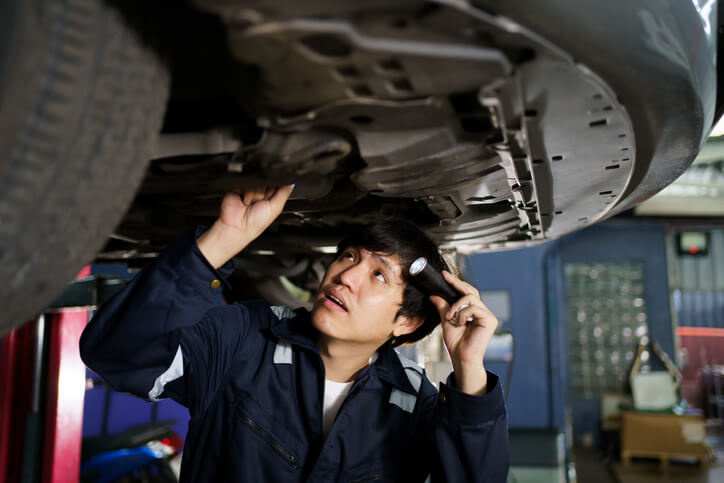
(466, 437)
(135, 340)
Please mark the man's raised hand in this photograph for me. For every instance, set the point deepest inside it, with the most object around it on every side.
(468, 326)
(244, 216)
(252, 211)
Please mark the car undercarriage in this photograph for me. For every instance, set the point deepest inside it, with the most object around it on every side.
(491, 126)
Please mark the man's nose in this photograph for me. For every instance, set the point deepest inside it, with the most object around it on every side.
(351, 276)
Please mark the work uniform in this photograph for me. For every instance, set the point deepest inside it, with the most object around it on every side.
(253, 381)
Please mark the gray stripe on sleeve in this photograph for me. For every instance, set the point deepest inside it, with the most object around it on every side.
(175, 371)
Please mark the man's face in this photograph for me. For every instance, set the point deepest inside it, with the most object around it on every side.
(359, 298)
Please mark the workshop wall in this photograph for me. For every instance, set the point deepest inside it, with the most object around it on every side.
(107, 412)
(697, 281)
(636, 245)
(520, 273)
(697, 287)
(542, 381)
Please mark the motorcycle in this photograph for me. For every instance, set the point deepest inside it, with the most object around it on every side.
(143, 453)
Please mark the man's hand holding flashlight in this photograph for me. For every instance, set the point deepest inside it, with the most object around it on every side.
(467, 327)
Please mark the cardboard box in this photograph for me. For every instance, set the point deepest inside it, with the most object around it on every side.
(663, 436)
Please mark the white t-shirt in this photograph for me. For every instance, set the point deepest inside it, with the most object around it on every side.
(334, 394)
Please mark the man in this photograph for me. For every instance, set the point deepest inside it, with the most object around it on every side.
(281, 396)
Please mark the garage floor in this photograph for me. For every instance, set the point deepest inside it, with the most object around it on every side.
(593, 466)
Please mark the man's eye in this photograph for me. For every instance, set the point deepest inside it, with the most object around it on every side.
(348, 256)
(380, 276)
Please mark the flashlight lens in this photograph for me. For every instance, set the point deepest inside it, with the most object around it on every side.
(418, 266)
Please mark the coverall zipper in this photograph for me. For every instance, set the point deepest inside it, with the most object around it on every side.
(270, 439)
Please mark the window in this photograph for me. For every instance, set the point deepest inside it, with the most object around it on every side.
(606, 319)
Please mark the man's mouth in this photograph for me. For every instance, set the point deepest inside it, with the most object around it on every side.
(335, 299)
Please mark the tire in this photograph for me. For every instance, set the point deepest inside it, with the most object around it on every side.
(81, 102)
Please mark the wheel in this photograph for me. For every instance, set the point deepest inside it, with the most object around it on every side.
(82, 98)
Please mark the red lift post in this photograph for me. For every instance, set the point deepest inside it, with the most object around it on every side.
(21, 405)
(64, 398)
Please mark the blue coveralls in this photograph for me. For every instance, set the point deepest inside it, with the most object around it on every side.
(253, 381)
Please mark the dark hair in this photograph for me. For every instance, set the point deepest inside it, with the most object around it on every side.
(405, 239)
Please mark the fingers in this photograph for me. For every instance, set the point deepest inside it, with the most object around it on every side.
(469, 308)
(463, 287)
(280, 196)
(465, 315)
(231, 197)
(478, 316)
(277, 196)
(464, 301)
(451, 313)
(252, 195)
(440, 304)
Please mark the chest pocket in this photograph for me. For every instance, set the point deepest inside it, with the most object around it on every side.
(264, 440)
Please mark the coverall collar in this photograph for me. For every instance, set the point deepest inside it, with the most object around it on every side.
(299, 331)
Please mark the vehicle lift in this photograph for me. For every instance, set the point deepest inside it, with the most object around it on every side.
(43, 383)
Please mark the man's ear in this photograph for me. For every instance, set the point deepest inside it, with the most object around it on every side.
(406, 325)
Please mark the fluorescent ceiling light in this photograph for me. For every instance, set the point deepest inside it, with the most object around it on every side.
(718, 128)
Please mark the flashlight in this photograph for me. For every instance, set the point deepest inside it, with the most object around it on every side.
(432, 281)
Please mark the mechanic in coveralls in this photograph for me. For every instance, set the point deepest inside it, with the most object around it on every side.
(277, 395)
